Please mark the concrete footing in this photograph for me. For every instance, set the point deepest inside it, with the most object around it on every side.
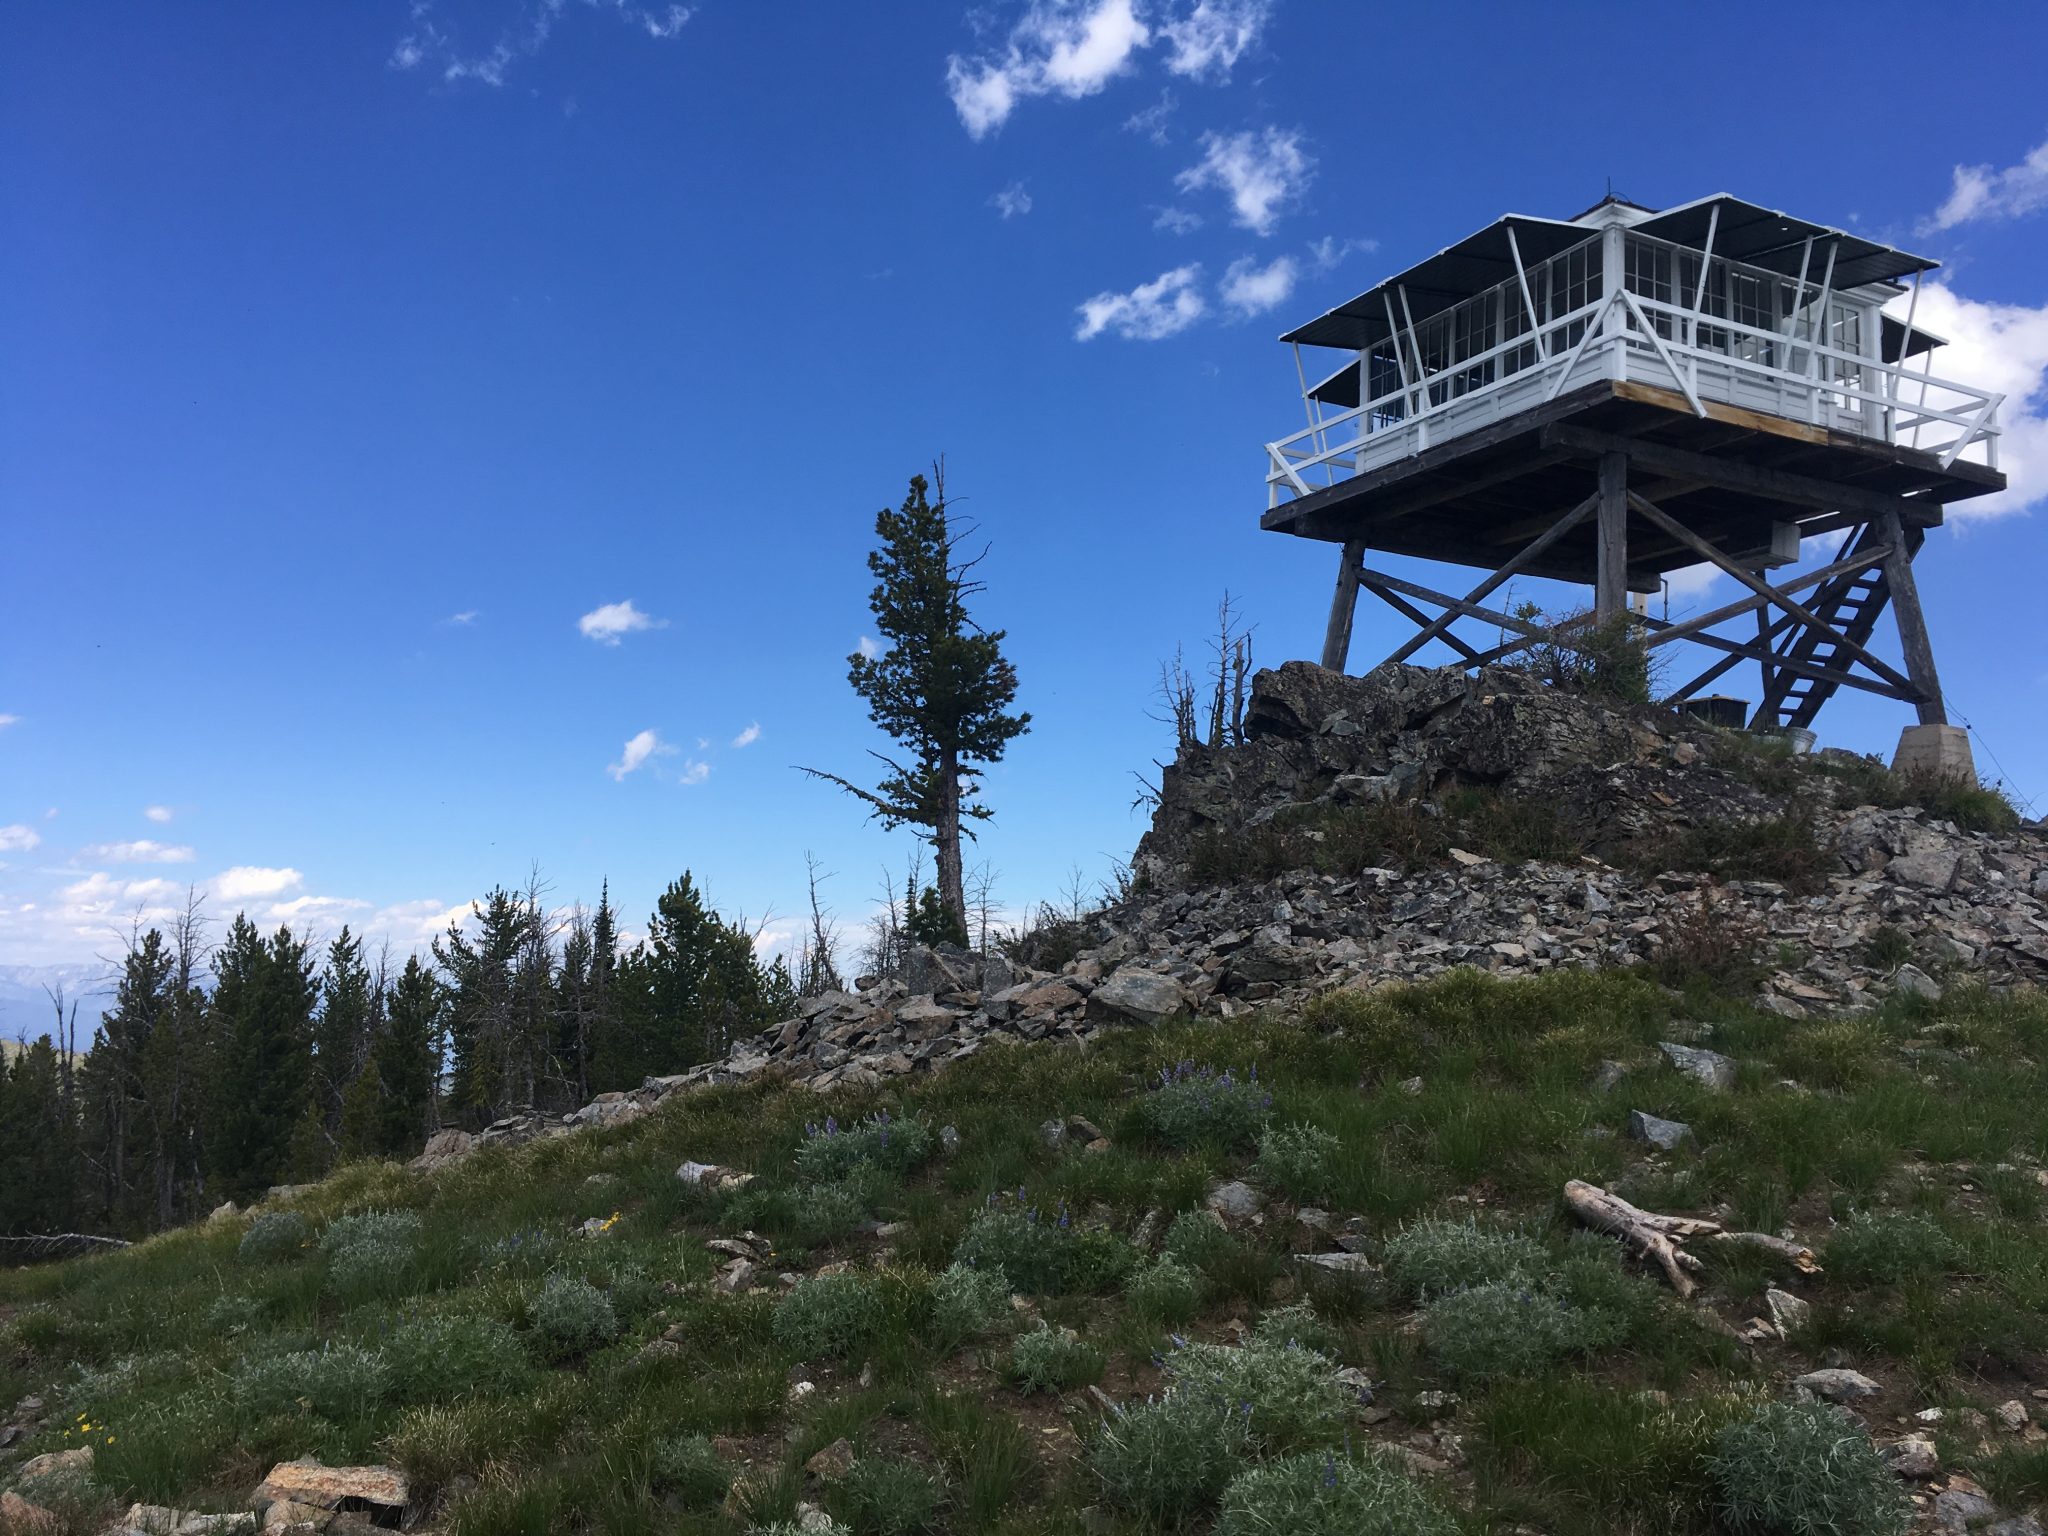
(1940, 751)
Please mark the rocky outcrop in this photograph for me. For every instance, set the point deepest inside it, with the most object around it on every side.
(1968, 904)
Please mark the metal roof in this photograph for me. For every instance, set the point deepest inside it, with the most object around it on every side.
(1743, 231)
(1456, 272)
(1776, 241)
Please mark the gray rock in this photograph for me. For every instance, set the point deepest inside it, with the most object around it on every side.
(949, 1139)
(1929, 868)
(1141, 996)
(1609, 1077)
(1665, 1135)
(1957, 1509)
(1234, 1200)
(1838, 1385)
(1789, 1313)
(1053, 1132)
(1913, 1457)
(1349, 1266)
(2018, 1525)
(1710, 1069)
(1911, 979)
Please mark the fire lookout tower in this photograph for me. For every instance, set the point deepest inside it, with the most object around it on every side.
(1606, 399)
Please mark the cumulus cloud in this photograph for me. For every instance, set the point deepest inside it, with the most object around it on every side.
(608, 623)
(160, 814)
(1151, 121)
(252, 882)
(639, 750)
(430, 42)
(1250, 289)
(694, 772)
(1070, 48)
(1177, 221)
(1210, 39)
(141, 851)
(1263, 171)
(1329, 250)
(1164, 307)
(1012, 201)
(2002, 347)
(304, 912)
(749, 736)
(18, 837)
(1982, 192)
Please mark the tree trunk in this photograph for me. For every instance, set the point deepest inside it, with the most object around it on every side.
(946, 841)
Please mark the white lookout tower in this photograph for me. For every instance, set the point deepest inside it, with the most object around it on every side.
(1608, 398)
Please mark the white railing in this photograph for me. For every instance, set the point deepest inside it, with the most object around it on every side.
(1630, 337)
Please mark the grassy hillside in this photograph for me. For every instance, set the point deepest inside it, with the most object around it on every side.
(530, 1378)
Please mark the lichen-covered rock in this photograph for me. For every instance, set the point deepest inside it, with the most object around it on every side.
(309, 1482)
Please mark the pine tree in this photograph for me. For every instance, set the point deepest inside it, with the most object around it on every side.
(703, 986)
(262, 1010)
(110, 1086)
(940, 687)
(405, 1063)
(492, 1070)
(38, 1145)
(340, 1042)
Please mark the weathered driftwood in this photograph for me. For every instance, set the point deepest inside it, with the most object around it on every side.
(1643, 1232)
(1797, 1255)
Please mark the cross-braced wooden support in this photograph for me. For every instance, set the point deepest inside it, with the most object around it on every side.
(1812, 633)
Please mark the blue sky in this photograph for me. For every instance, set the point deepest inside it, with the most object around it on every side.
(360, 365)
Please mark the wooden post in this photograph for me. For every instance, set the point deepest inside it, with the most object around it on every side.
(1913, 642)
(1337, 637)
(1610, 585)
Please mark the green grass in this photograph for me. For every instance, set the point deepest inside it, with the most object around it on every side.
(528, 1378)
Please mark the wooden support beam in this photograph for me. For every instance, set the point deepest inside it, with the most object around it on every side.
(1913, 641)
(1409, 611)
(1734, 475)
(1454, 607)
(1610, 580)
(1805, 615)
(1747, 650)
(1812, 578)
(1343, 605)
(1530, 552)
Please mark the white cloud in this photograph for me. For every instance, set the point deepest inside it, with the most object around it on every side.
(18, 838)
(749, 736)
(428, 41)
(1250, 289)
(1070, 48)
(142, 851)
(2002, 347)
(413, 924)
(1980, 192)
(100, 896)
(1690, 581)
(1263, 171)
(869, 647)
(304, 912)
(457, 620)
(7, 720)
(1177, 221)
(248, 882)
(1012, 201)
(638, 750)
(608, 622)
(157, 813)
(694, 772)
(1164, 307)
(1210, 39)
(1329, 250)
(1152, 120)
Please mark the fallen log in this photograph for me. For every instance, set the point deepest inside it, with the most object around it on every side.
(1797, 1255)
(1644, 1233)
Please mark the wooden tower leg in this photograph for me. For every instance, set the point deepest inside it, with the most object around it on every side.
(1337, 637)
(1913, 642)
(1610, 586)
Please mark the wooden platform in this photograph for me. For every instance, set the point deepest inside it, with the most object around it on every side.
(1728, 476)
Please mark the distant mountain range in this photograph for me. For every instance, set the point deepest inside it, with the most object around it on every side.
(25, 1010)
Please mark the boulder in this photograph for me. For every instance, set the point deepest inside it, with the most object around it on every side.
(1838, 1385)
(307, 1481)
(1913, 1457)
(1234, 1200)
(1710, 1069)
(77, 1459)
(442, 1148)
(1142, 997)
(18, 1515)
(1665, 1135)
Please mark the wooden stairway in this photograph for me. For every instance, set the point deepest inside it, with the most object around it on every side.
(1852, 603)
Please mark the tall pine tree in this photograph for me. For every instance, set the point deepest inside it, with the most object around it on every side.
(262, 1009)
(941, 687)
